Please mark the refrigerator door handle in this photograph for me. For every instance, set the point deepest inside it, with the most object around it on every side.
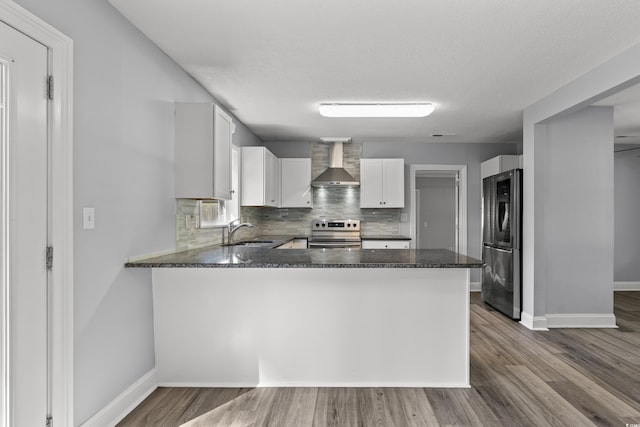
(498, 248)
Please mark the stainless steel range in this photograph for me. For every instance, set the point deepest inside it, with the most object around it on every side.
(335, 233)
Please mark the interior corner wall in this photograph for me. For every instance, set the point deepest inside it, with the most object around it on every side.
(618, 73)
(124, 94)
(579, 212)
(627, 212)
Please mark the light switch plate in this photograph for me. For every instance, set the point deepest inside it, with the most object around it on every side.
(88, 218)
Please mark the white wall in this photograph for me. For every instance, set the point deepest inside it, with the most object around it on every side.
(627, 213)
(124, 89)
(620, 72)
(579, 212)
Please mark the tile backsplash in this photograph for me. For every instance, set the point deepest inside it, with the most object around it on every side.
(188, 236)
(328, 203)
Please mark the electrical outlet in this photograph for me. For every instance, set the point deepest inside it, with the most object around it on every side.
(404, 217)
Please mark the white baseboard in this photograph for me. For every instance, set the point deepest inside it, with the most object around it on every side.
(581, 321)
(535, 323)
(382, 384)
(264, 384)
(626, 286)
(122, 405)
(475, 286)
(208, 384)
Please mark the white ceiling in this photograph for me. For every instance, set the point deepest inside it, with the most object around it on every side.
(479, 62)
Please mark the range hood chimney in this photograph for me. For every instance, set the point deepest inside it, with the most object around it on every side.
(335, 175)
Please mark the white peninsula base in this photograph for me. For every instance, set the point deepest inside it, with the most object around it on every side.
(333, 327)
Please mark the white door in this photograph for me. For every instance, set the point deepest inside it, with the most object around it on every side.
(23, 229)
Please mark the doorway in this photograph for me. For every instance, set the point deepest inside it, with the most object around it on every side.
(436, 212)
(24, 213)
(438, 207)
(36, 205)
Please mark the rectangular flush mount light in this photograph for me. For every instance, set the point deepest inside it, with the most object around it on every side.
(376, 110)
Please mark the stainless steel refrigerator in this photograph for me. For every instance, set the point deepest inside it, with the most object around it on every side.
(502, 242)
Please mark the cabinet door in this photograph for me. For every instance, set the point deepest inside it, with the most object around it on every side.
(194, 150)
(260, 177)
(272, 179)
(386, 244)
(202, 151)
(371, 183)
(223, 134)
(393, 183)
(253, 187)
(295, 179)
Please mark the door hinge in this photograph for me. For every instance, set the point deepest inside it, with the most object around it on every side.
(49, 257)
(49, 422)
(50, 87)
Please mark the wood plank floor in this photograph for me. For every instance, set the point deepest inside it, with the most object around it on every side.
(564, 377)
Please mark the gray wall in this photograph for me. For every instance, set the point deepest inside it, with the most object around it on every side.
(124, 91)
(437, 208)
(627, 214)
(470, 154)
(579, 212)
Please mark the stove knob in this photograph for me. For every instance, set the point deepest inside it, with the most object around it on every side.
(324, 225)
(317, 225)
(348, 225)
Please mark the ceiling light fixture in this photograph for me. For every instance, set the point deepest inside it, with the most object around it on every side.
(376, 110)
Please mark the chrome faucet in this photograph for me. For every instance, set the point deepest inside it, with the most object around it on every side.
(234, 226)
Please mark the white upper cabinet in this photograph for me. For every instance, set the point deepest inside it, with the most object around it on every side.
(203, 133)
(260, 183)
(499, 164)
(381, 183)
(295, 183)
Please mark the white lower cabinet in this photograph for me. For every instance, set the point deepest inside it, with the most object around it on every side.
(386, 244)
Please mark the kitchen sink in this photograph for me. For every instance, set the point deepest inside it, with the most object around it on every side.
(254, 243)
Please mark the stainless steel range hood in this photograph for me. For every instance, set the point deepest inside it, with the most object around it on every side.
(335, 175)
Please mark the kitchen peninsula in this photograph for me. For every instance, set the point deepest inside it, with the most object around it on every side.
(242, 316)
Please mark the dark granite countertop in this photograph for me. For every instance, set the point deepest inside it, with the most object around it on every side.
(268, 257)
(384, 237)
